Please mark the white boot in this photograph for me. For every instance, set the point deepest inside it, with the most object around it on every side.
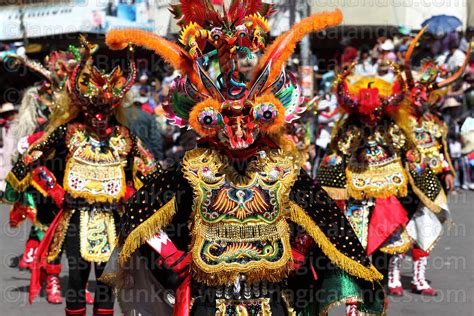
(394, 277)
(351, 310)
(419, 284)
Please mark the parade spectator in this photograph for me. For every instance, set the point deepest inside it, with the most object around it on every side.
(456, 158)
(453, 58)
(384, 72)
(388, 51)
(349, 53)
(145, 126)
(366, 65)
(7, 141)
(467, 139)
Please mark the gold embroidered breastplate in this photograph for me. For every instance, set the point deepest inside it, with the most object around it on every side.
(95, 169)
(239, 225)
(426, 134)
(375, 170)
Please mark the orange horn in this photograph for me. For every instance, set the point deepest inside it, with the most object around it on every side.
(410, 50)
(458, 73)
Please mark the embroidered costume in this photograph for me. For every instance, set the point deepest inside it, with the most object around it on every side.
(88, 164)
(374, 168)
(35, 110)
(429, 134)
(236, 227)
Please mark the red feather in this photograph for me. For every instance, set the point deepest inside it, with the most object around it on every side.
(199, 11)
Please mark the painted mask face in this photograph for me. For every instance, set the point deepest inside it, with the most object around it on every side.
(99, 93)
(238, 124)
(99, 119)
(224, 92)
(419, 96)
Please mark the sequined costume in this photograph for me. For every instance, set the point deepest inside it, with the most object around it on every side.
(370, 167)
(236, 228)
(429, 134)
(374, 168)
(88, 163)
(36, 107)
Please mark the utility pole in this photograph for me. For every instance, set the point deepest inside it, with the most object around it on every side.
(305, 50)
(292, 12)
(22, 22)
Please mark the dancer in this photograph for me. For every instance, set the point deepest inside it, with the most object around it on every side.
(429, 134)
(236, 246)
(99, 163)
(36, 107)
(374, 170)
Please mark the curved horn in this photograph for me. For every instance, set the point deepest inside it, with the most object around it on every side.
(456, 75)
(342, 92)
(80, 67)
(411, 48)
(32, 65)
(132, 71)
(169, 51)
(282, 48)
(260, 81)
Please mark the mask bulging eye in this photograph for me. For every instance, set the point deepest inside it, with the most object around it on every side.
(268, 113)
(208, 118)
(265, 113)
(216, 34)
(241, 31)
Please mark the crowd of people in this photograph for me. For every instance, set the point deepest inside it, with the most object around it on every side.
(220, 187)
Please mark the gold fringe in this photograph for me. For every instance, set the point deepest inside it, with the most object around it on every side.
(60, 235)
(253, 275)
(110, 279)
(93, 197)
(221, 306)
(432, 205)
(374, 192)
(336, 193)
(349, 265)
(18, 185)
(147, 229)
(39, 188)
(255, 271)
(398, 249)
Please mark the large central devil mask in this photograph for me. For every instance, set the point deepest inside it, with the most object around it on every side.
(229, 108)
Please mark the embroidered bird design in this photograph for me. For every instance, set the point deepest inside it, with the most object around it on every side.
(240, 202)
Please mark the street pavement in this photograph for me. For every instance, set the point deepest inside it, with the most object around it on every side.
(451, 270)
